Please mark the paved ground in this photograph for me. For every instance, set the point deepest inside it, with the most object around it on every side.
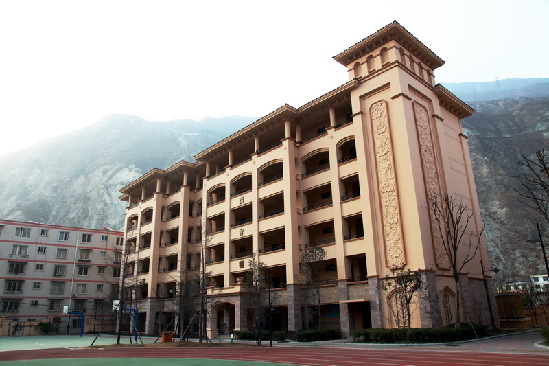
(517, 349)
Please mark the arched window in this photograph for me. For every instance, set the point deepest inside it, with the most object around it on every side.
(384, 56)
(357, 70)
(370, 63)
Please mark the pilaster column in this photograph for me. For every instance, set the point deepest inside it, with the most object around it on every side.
(230, 157)
(185, 178)
(256, 143)
(208, 169)
(298, 133)
(287, 129)
(344, 320)
(294, 307)
(332, 117)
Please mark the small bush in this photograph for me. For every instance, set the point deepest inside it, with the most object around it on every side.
(44, 328)
(545, 334)
(418, 335)
(250, 335)
(311, 335)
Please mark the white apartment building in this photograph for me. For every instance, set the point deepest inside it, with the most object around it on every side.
(49, 270)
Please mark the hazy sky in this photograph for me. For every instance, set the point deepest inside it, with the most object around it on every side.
(67, 64)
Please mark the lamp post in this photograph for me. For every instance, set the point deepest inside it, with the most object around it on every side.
(539, 240)
(495, 270)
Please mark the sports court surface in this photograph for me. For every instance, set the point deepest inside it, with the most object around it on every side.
(512, 350)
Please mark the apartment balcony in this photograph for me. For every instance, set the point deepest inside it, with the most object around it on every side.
(321, 242)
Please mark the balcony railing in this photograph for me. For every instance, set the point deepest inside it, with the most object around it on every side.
(320, 242)
(358, 278)
(211, 203)
(319, 170)
(350, 196)
(270, 147)
(270, 180)
(272, 213)
(273, 248)
(353, 236)
(217, 230)
(317, 205)
(319, 132)
(241, 190)
(242, 254)
(242, 222)
(346, 158)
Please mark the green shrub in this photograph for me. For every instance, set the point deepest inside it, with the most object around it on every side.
(311, 335)
(278, 336)
(417, 335)
(545, 334)
(44, 328)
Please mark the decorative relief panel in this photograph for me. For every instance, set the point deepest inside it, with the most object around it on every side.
(394, 247)
(430, 176)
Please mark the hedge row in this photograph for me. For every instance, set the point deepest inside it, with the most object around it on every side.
(279, 336)
(418, 335)
(545, 334)
(311, 335)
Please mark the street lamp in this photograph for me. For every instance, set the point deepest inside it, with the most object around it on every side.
(539, 240)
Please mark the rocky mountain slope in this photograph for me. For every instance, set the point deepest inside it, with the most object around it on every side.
(74, 179)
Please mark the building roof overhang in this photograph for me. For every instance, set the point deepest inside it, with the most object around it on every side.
(282, 113)
(450, 102)
(391, 32)
(330, 98)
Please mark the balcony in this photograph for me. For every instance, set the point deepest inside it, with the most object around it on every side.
(320, 242)
(242, 222)
(318, 205)
(358, 235)
(272, 213)
(270, 180)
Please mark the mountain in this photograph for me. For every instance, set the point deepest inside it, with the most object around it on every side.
(74, 179)
(500, 89)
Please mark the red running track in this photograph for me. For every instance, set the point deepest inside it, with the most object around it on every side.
(299, 355)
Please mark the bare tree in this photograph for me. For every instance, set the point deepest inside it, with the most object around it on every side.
(254, 294)
(310, 271)
(533, 183)
(459, 243)
(401, 288)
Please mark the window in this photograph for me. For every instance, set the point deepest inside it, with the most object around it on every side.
(44, 232)
(79, 305)
(63, 235)
(86, 238)
(55, 305)
(80, 288)
(114, 291)
(39, 267)
(546, 278)
(101, 270)
(104, 237)
(57, 287)
(99, 287)
(119, 241)
(117, 257)
(10, 305)
(116, 272)
(36, 285)
(23, 232)
(103, 254)
(536, 279)
(61, 253)
(60, 270)
(34, 303)
(1, 227)
(13, 286)
(19, 250)
(16, 268)
(42, 250)
(83, 270)
(84, 255)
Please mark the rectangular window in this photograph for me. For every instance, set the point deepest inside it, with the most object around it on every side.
(117, 257)
(116, 272)
(1, 227)
(16, 268)
(13, 286)
(103, 254)
(19, 250)
(23, 232)
(114, 291)
(60, 270)
(55, 305)
(57, 287)
(536, 279)
(61, 253)
(84, 255)
(119, 241)
(34, 303)
(39, 267)
(86, 238)
(10, 305)
(44, 232)
(42, 250)
(79, 305)
(64, 235)
(80, 288)
(83, 270)
(99, 287)
(36, 285)
(101, 270)
(104, 237)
